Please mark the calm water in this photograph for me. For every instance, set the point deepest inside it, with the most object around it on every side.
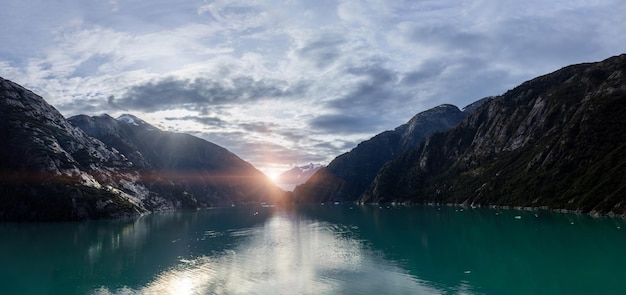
(319, 250)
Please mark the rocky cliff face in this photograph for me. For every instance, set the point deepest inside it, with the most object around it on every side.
(52, 170)
(208, 172)
(348, 175)
(556, 141)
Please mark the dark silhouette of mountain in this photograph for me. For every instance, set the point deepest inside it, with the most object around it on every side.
(556, 141)
(52, 170)
(210, 173)
(348, 175)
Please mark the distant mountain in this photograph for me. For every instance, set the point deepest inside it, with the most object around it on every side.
(297, 175)
(52, 170)
(557, 141)
(348, 175)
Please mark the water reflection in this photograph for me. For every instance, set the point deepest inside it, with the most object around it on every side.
(318, 250)
(483, 251)
(288, 255)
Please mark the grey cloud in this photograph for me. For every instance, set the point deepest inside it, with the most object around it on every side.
(111, 102)
(293, 135)
(195, 94)
(376, 92)
(85, 106)
(366, 96)
(430, 69)
(337, 146)
(261, 152)
(536, 41)
(532, 41)
(346, 123)
(258, 127)
(324, 50)
(208, 121)
(448, 37)
(375, 72)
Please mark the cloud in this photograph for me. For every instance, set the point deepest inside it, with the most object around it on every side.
(111, 102)
(263, 152)
(344, 123)
(429, 70)
(375, 90)
(302, 79)
(258, 127)
(323, 50)
(172, 93)
(208, 121)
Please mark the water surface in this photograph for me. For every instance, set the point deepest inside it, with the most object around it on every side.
(344, 249)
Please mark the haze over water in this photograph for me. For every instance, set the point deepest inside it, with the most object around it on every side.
(331, 249)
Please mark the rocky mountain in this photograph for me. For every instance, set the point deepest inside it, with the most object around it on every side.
(53, 170)
(208, 172)
(348, 175)
(297, 175)
(556, 141)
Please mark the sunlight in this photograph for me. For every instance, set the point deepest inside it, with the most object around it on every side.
(273, 171)
(273, 176)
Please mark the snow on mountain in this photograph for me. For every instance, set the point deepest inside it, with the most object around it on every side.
(57, 169)
(130, 119)
(297, 175)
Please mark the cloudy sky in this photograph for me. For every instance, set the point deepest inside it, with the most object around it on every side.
(289, 82)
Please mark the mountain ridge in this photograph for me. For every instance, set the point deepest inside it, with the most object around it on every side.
(297, 175)
(52, 170)
(209, 172)
(348, 175)
(552, 142)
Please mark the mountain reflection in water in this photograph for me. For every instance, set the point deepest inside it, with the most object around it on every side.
(337, 249)
(288, 254)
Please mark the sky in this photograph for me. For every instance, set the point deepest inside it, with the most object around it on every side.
(284, 83)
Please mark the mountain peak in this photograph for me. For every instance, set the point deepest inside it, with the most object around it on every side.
(131, 119)
(297, 175)
(135, 121)
(555, 141)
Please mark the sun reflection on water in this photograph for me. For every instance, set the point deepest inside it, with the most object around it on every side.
(285, 255)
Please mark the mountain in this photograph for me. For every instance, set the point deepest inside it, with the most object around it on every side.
(210, 173)
(297, 175)
(556, 141)
(348, 175)
(51, 170)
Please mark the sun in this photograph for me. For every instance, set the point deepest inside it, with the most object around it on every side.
(273, 172)
(273, 176)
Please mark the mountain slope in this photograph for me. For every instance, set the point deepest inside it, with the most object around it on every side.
(50, 170)
(348, 175)
(212, 174)
(556, 141)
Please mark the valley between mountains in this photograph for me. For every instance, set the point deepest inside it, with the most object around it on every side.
(554, 142)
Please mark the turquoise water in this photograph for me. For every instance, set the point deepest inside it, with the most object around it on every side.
(344, 249)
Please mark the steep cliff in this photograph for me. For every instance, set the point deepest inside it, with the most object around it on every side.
(348, 175)
(51, 170)
(556, 141)
(210, 173)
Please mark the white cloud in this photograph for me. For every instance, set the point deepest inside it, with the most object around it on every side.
(303, 66)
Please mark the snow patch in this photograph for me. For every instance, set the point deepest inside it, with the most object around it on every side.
(130, 119)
